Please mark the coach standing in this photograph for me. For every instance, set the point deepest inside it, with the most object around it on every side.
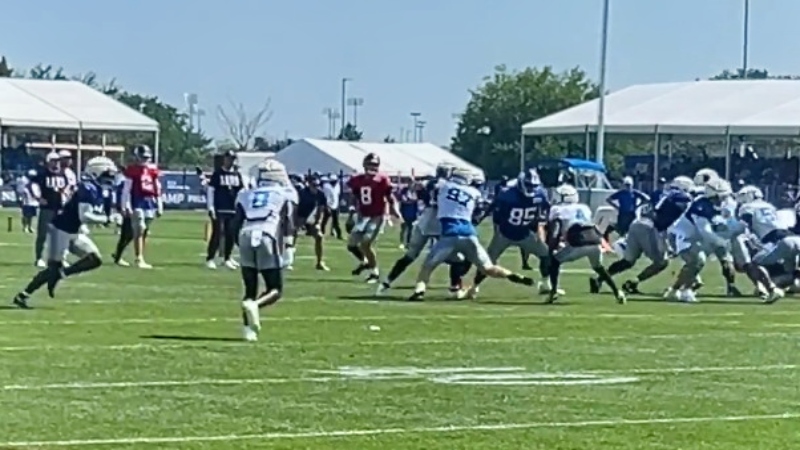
(223, 187)
(332, 189)
(48, 188)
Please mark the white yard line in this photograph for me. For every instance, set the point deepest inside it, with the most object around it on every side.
(394, 377)
(397, 431)
(433, 316)
(403, 342)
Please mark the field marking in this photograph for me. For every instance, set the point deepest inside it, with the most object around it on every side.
(387, 374)
(432, 316)
(394, 431)
(399, 342)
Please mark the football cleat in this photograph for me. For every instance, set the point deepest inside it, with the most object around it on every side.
(211, 264)
(250, 309)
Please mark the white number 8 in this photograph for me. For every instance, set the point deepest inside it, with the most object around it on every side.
(521, 216)
(366, 195)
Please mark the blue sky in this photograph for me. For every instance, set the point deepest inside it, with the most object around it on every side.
(403, 56)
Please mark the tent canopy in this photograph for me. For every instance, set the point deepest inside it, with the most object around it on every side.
(737, 107)
(68, 105)
(418, 159)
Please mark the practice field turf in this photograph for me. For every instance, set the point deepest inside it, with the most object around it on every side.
(125, 358)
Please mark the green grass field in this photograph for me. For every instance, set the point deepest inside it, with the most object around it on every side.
(126, 358)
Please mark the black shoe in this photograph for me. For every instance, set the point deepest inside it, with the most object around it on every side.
(21, 301)
(372, 278)
(594, 286)
(630, 287)
(417, 297)
(527, 266)
(733, 291)
(357, 271)
(52, 282)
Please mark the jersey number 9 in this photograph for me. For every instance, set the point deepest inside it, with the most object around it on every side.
(457, 195)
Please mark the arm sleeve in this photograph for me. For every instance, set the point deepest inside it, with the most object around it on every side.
(210, 197)
(88, 214)
(127, 185)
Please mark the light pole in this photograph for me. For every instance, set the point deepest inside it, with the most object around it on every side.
(420, 126)
(746, 38)
(200, 113)
(345, 80)
(355, 102)
(415, 119)
(332, 114)
(601, 103)
(191, 107)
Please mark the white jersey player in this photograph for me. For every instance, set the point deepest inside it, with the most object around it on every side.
(457, 201)
(264, 215)
(571, 221)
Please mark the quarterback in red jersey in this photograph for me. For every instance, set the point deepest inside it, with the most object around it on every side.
(372, 192)
(141, 203)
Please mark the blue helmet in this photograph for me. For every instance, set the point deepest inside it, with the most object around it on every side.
(528, 182)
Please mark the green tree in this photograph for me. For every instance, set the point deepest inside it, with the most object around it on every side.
(752, 74)
(349, 133)
(5, 71)
(488, 131)
(389, 139)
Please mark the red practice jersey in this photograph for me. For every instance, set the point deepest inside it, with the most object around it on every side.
(144, 181)
(372, 193)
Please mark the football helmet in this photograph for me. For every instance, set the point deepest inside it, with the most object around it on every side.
(528, 182)
(101, 170)
(270, 171)
(683, 183)
(566, 193)
(444, 169)
(462, 176)
(142, 153)
(703, 176)
(372, 164)
(749, 194)
(717, 188)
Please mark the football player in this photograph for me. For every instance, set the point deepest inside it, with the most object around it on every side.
(264, 218)
(85, 206)
(426, 228)
(372, 191)
(456, 201)
(141, 201)
(693, 233)
(518, 214)
(779, 245)
(571, 221)
(647, 236)
(309, 212)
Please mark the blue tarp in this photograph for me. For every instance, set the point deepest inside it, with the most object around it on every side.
(584, 164)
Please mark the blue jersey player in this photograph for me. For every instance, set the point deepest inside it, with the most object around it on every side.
(64, 232)
(518, 213)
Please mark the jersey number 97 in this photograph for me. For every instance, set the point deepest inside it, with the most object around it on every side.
(461, 197)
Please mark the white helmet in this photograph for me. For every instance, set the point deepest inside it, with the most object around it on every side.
(462, 175)
(749, 194)
(270, 171)
(100, 169)
(703, 176)
(718, 188)
(566, 193)
(444, 169)
(683, 183)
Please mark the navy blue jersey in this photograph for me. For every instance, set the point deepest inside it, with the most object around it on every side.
(51, 184)
(429, 192)
(69, 219)
(516, 214)
(702, 207)
(670, 208)
(309, 201)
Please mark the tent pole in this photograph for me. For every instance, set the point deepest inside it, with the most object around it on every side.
(656, 151)
(103, 141)
(156, 152)
(587, 143)
(522, 152)
(80, 151)
(727, 153)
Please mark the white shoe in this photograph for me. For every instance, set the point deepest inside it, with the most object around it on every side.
(40, 263)
(65, 264)
(231, 264)
(459, 294)
(472, 292)
(250, 308)
(123, 263)
(687, 296)
(249, 334)
(671, 294)
(545, 288)
(211, 264)
(775, 295)
(143, 265)
(621, 299)
(383, 286)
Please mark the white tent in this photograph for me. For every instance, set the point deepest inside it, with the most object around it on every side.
(419, 159)
(66, 105)
(737, 107)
